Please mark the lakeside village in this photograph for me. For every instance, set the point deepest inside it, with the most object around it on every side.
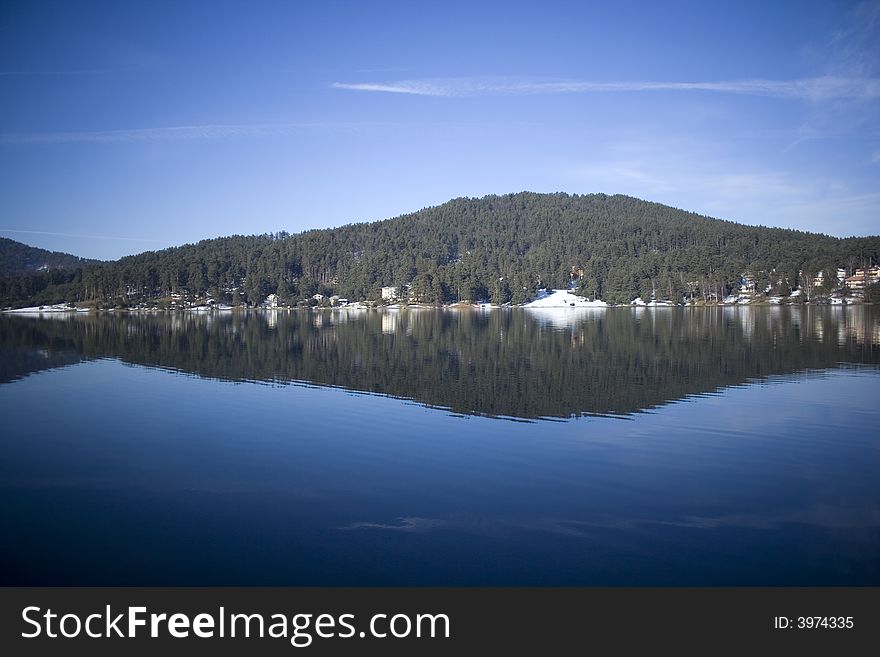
(835, 288)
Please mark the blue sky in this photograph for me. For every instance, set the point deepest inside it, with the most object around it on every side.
(133, 126)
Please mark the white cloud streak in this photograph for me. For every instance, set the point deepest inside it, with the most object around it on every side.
(91, 237)
(854, 47)
(192, 132)
(752, 195)
(807, 89)
(95, 71)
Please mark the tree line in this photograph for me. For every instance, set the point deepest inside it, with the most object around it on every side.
(496, 248)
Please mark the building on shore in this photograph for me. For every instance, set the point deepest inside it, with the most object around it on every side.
(863, 276)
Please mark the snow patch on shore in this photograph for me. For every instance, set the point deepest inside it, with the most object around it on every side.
(57, 308)
(562, 299)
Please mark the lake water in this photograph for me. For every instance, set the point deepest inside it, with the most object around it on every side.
(717, 446)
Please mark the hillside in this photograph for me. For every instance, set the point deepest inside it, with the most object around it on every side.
(17, 258)
(501, 248)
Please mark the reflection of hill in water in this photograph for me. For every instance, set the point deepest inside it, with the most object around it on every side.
(512, 363)
(28, 346)
(16, 363)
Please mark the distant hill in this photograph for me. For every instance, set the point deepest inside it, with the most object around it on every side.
(501, 248)
(17, 258)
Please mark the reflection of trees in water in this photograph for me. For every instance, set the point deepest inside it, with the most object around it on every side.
(511, 363)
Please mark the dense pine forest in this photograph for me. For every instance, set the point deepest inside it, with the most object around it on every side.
(497, 248)
(17, 259)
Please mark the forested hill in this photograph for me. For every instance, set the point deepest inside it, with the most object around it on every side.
(498, 247)
(17, 258)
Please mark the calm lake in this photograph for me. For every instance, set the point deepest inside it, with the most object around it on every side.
(714, 446)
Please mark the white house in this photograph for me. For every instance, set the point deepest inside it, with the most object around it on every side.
(863, 277)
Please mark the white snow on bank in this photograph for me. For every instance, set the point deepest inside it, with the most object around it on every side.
(57, 308)
(563, 299)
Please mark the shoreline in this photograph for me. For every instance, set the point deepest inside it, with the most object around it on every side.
(62, 309)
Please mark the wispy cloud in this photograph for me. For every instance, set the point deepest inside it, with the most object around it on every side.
(805, 89)
(207, 131)
(854, 46)
(750, 193)
(77, 235)
(59, 73)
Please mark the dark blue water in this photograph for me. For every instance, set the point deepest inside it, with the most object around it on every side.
(670, 447)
